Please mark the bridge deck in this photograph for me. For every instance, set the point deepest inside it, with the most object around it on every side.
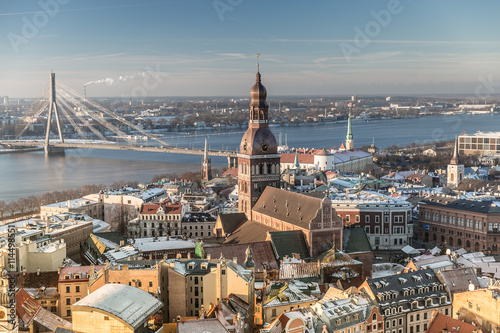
(171, 150)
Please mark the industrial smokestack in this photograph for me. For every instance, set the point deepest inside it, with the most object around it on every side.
(84, 93)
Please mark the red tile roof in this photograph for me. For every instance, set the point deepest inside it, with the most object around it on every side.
(82, 270)
(262, 253)
(442, 322)
(233, 172)
(26, 308)
(303, 158)
(153, 208)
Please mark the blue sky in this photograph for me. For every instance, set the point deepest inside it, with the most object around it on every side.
(208, 47)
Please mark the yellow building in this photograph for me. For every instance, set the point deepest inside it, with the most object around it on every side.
(73, 286)
(115, 308)
(190, 286)
(282, 297)
(479, 306)
(143, 278)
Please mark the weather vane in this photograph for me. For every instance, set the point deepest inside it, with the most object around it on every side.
(258, 55)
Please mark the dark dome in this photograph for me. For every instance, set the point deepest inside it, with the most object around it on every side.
(258, 141)
(258, 93)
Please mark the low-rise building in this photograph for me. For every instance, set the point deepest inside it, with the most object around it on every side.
(479, 306)
(157, 220)
(345, 311)
(407, 300)
(386, 220)
(198, 225)
(90, 207)
(282, 297)
(473, 225)
(190, 286)
(73, 286)
(121, 206)
(115, 308)
(140, 277)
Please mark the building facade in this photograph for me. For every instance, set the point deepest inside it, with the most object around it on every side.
(481, 307)
(387, 221)
(407, 300)
(473, 225)
(258, 158)
(480, 143)
(157, 220)
(188, 287)
(73, 286)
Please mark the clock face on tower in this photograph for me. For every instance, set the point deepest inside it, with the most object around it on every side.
(264, 147)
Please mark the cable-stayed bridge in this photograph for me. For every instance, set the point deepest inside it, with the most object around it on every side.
(88, 119)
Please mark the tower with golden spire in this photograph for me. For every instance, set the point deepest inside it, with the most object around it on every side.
(258, 158)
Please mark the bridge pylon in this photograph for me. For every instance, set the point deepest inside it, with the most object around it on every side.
(53, 109)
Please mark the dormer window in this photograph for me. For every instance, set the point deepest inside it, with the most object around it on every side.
(77, 276)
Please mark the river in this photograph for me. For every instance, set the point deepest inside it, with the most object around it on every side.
(26, 174)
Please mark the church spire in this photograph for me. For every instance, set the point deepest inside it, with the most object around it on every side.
(205, 154)
(206, 164)
(296, 161)
(455, 160)
(349, 139)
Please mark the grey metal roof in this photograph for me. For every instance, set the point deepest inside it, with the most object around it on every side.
(485, 206)
(392, 290)
(132, 305)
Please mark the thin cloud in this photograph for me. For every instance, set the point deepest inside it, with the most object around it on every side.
(93, 8)
(384, 41)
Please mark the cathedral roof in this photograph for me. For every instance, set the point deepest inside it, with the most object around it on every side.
(294, 208)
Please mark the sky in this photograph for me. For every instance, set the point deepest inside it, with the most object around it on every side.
(208, 47)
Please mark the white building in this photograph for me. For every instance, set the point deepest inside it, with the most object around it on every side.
(386, 220)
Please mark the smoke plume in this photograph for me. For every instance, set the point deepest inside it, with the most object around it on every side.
(121, 79)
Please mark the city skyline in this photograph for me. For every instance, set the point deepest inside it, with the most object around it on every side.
(198, 48)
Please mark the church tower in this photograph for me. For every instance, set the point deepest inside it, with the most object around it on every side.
(349, 144)
(455, 170)
(258, 159)
(206, 165)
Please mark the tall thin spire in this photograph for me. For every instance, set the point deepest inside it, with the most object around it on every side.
(455, 160)
(348, 139)
(206, 165)
(349, 128)
(296, 162)
(205, 154)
